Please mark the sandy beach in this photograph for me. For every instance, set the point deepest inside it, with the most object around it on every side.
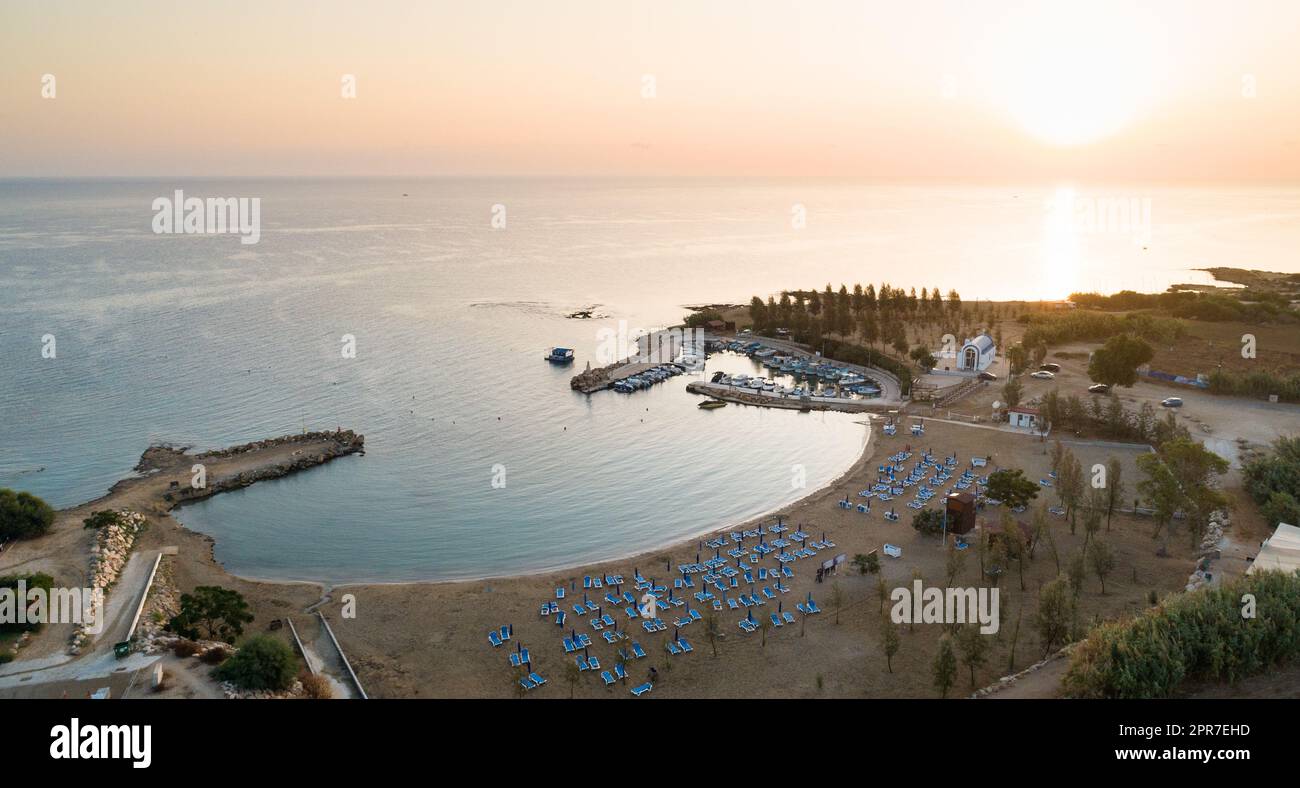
(430, 639)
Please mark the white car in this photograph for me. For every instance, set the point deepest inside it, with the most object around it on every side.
(1043, 374)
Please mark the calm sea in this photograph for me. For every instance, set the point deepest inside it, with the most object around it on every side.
(204, 341)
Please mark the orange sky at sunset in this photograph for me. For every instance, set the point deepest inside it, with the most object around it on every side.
(1006, 90)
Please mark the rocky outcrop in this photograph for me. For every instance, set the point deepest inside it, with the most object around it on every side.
(344, 442)
(1209, 551)
(336, 444)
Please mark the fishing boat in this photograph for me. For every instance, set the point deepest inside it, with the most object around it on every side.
(560, 355)
(712, 404)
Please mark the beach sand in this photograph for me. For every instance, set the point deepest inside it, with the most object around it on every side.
(430, 639)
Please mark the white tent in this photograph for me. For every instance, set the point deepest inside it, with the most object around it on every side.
(1281, 551)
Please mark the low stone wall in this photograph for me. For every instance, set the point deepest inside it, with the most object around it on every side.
(1007, 681)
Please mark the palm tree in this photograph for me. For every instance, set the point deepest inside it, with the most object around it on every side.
(837, 599)
(764, 625)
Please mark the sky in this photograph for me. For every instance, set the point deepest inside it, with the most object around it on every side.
(993, 89)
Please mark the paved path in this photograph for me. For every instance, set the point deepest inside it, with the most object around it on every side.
(98, 660)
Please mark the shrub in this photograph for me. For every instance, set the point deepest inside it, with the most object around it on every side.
(23, 515)
(185, 648)
(316, 686)
(6, 657)
(101, 518)
(1199, 635)
(36, 580)
(262, 663)
(215, 655)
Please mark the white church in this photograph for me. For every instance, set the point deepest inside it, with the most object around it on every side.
(974, 356)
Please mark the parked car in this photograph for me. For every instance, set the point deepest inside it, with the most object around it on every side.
(1052, 368)
(1042, 374)
(1172, 402)
(1099, 388)
(988, 376)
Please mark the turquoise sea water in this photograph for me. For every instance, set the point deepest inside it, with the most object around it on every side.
(203, 341)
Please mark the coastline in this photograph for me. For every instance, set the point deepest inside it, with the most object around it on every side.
(675, 543)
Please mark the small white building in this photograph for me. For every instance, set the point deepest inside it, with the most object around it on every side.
(1025, 418)
(977, 354)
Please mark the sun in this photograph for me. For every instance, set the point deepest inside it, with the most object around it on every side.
(1071, 75)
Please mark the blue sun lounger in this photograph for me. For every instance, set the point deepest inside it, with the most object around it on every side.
(812, 607)
(637, 651)
(593, 663)
(609, 637)
(559, 592)
(608, 679)
(527, 683)
(672, 648)
(620, 671)
(559, 618)
(732, 604)
(684, 645)
(581, 662)
(569, 646)
(788, 616)
(643, 689)
(776, 620)
(537, 680)
(494, 638)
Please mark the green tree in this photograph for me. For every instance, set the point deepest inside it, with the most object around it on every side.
(1070, 486)
(1273, 480)
(712, 630)
(1018, 358)
(1183, 476)
(1011, 488)
(944, 669)
(889, 640)
(1055, 614)
(928, 521)
(973, 647)
(837, 600)
(1114, 487)
(1012, 391)
(954, 562)
(572, 675)
(262, 663)
(867, 563)
(1102, 558)
(1115, 363)
(213, 612)
(23, 515)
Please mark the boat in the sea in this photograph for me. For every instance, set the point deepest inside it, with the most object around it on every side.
(712, 404)
(560, 355)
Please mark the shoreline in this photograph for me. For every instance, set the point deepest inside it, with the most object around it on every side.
(863, 456)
